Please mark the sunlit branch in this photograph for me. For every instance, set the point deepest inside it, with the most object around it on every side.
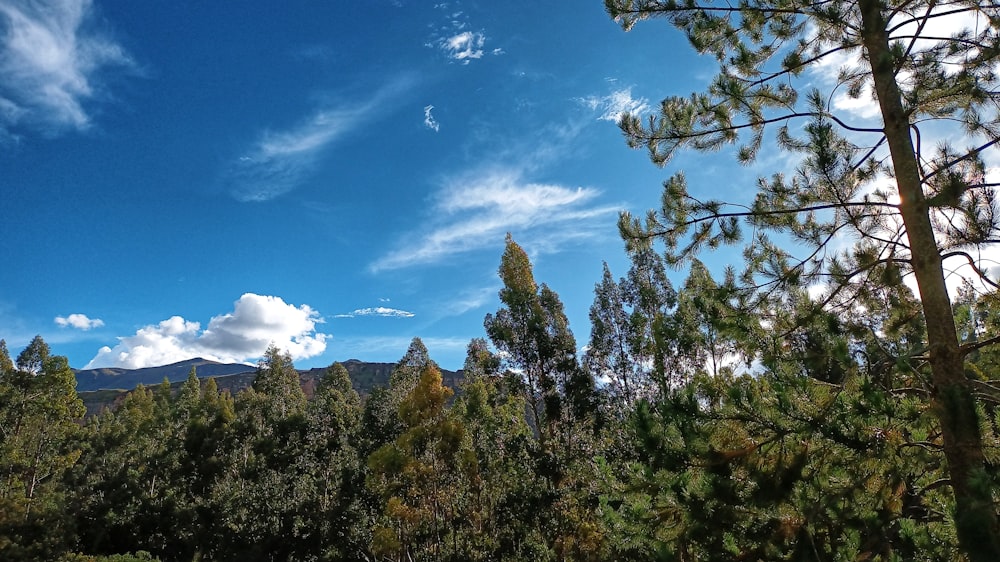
(972, 263)
(972, 153)
(906, 22)
(749, 214)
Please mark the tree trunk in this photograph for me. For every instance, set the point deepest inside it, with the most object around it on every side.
(952, 402)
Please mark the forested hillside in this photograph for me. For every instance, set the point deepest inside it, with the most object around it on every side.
(832, 400)
(114, 387)
(661, 442)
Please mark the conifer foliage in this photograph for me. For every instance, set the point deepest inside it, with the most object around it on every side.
(914, 200)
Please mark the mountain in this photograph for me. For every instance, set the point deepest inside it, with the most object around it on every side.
(105, 388)
(127, 379)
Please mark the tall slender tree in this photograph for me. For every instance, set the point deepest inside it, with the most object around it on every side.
(913, 202)
(533, 331)
(39, 416)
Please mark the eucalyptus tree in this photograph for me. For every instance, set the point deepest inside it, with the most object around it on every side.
(39, 416)
(262, 501)
(416, 476)
(911, 186)
(532, 331)
(336, 474)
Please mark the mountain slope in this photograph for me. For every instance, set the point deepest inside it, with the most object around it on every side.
(127, 379)
(105, 388)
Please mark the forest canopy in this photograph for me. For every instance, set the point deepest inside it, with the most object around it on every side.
(832, 399)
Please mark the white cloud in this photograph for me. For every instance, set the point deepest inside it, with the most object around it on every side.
(377, 311)
(945, 23)
(48, 64)
(281, 160)
(78, 321)
(475, 211)
(613, 105)
(456, 41)
(238, 336)
(470, 299)
(429, 120)
(464, 46)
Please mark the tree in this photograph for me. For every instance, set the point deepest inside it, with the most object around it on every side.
(926, 84)
(262, 501)
(381, 421)
(39, 415)
(336, 475)
(533, 331)
(415, 475)
(500, 499)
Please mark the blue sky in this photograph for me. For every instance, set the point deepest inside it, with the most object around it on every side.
(187, 179)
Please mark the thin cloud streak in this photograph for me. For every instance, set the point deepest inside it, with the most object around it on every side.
(429, 120)
(372, 348)
(377, 311)
(480, 208)
(48, 63)
(281, 160)
(615, 104)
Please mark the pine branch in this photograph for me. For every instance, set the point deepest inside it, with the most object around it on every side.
(972, 263)
(749, 214)
(985, 389)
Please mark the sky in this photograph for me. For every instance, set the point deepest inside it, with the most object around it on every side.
(202, 179)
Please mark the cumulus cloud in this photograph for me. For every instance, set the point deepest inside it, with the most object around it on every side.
(612, 106)
(49, 62)
(235, 337)
(429, 120)
(279, 161)
(475, 211)
(378, 311)
(78, 321)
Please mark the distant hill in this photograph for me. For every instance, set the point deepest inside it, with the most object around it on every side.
(127, 379)
(104, 388)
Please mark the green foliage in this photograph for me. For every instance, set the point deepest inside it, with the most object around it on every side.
(533, 332)
(939, 206)
(39, 411)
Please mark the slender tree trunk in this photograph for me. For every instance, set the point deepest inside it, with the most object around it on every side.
(953, 403)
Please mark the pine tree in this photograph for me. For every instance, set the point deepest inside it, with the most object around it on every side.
(925, 83)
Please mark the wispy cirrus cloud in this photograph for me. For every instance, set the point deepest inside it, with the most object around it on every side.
(255, 322)
(377, 311)
(457, 41)
(279, 161)
(465, 46)
(78, 321)
(429, 121)
(612, 106)
(474, 210)
(50, 60)
(469, 299)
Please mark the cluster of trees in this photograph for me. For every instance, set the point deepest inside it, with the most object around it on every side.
(660, 443)
(810, 407)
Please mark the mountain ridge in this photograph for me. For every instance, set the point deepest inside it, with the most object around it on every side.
(106, 387)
